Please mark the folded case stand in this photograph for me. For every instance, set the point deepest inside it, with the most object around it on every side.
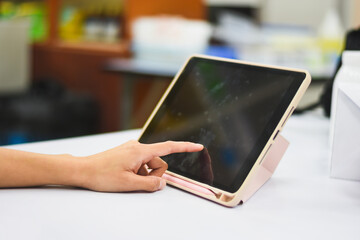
(251, 184)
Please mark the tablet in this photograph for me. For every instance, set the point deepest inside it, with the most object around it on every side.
(234, 108)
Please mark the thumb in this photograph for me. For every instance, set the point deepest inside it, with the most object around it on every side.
(147, 183)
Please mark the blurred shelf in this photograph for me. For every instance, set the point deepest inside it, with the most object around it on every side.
(93, 48)
(234, 3)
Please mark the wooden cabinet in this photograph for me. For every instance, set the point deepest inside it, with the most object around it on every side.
(81, 70)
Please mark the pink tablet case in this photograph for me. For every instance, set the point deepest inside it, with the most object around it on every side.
(267, 167)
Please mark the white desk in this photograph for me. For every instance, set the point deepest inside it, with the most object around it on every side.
(299, 202)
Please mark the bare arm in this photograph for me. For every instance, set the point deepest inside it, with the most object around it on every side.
(116, 170)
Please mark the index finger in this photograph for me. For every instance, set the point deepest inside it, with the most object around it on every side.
(165, 148)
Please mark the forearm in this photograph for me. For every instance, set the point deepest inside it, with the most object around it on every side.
(22, 169)
(116, 170)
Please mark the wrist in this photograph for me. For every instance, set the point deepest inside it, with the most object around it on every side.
(78, 173)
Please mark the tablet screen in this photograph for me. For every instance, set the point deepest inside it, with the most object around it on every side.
(230, 108)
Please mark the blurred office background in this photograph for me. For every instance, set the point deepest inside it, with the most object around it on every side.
(78, 67)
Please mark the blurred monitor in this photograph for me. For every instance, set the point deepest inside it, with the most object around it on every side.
(14, 56)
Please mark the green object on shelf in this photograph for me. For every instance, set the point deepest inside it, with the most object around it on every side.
(35, 11)
(38, 26)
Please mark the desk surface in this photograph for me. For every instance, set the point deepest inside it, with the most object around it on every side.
(299, 202)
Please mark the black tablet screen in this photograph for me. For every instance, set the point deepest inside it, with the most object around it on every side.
(230, 108)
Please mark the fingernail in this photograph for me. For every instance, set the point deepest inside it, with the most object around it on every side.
(162, 184)
(199, 145)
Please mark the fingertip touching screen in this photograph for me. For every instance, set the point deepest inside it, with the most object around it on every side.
(230, 108)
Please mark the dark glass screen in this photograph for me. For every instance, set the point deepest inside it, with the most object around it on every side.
(230, 108)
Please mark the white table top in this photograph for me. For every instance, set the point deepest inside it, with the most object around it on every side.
(299, 202)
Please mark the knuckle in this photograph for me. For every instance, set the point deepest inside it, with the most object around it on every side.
(170, 145)
(132, 150)
(164, 164)
(154, 184)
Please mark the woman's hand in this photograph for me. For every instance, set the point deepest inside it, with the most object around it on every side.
(123, 168)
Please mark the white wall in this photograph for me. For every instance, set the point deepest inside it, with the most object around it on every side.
(299, 12)
(350, 12)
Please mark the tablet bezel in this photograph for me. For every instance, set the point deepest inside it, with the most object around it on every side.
(278, 126)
